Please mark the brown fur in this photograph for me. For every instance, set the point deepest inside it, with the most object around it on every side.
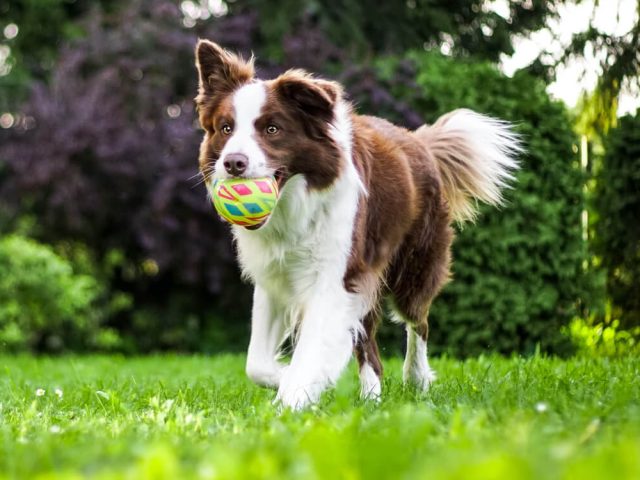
(403, 234)
(303, 111)
(220, 72)
(366, 348)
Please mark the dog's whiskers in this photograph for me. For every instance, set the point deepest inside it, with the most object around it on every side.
(205, 176)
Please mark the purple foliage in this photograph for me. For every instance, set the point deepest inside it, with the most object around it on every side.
(106, 152)
(110, 157)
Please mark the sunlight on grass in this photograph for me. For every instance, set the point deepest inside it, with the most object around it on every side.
(198, 417)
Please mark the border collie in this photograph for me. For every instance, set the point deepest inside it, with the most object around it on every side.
(365, 213)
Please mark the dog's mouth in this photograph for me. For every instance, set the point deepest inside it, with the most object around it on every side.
(281, 175)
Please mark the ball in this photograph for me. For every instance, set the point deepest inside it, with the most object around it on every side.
(245, 201)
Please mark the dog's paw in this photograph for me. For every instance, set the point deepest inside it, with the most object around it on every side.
(266, 375)
(421, 378)
(370, 386)
(297, 393)
(293, 399)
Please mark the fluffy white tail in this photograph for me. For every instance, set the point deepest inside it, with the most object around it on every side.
(476, 156)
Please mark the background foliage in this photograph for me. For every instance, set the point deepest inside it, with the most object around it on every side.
(617, 225)
(44, 304)
(101, 155)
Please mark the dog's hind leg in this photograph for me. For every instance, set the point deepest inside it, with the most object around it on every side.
(369, 364)
(419, 271)
(416, 369)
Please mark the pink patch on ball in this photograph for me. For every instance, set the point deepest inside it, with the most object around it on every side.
(242, 189)
(264, 187)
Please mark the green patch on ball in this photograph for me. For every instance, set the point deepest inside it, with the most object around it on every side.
(245, 201)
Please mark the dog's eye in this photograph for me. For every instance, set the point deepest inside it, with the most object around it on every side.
(272, 129)
(226, 129)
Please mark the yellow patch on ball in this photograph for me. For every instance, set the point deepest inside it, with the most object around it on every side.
(245, 201)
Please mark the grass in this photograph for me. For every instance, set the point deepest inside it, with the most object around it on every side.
(198, 417)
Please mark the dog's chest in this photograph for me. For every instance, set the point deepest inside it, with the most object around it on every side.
(286, 267)
(306, 244)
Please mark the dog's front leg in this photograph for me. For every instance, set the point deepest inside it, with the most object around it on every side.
(323, 349)
(267, 333)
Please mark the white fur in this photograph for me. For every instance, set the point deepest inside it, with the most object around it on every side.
(416, 368)
(370, 388)
(477, 156)
(247, 103)
(298, 259)
(495, 147)
(267, 334)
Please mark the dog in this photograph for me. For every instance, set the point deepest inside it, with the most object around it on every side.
(365, 213)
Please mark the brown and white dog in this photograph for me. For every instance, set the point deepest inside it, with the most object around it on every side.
(365, 213)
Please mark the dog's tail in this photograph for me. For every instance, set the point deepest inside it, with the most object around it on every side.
(476, 156)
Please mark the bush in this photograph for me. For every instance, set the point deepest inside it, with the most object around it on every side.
(518, 273)
(617, 220)
(44, 305)
(593, 338)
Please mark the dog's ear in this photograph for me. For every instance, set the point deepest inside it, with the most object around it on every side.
(313, 97)
(220, 71)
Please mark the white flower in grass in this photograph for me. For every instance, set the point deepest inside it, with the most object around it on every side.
(102, 394)
(40, 392)
(206, 471)
(541, 407)
(58, 392)
(55, 429)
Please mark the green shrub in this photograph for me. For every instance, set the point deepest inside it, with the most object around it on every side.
(617, 220)
(518, 272)
(44, 305)
(603, 339)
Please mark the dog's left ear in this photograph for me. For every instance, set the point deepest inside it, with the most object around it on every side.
(220, 71)
(313, 97)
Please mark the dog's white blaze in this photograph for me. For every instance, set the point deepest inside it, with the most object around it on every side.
(299, 259)
(247, 104)
(416, 368)
(370, 387)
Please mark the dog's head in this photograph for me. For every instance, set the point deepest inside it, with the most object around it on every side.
(256, 128)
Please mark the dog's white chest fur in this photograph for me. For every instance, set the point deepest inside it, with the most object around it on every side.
(304, 247)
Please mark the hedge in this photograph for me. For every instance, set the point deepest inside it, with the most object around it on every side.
(617, 219)
(518, 275)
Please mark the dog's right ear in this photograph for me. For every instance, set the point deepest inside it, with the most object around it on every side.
(220, 71)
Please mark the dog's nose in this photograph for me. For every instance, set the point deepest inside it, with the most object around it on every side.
(235, 163)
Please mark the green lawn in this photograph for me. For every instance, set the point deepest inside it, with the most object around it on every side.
(199, 417)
